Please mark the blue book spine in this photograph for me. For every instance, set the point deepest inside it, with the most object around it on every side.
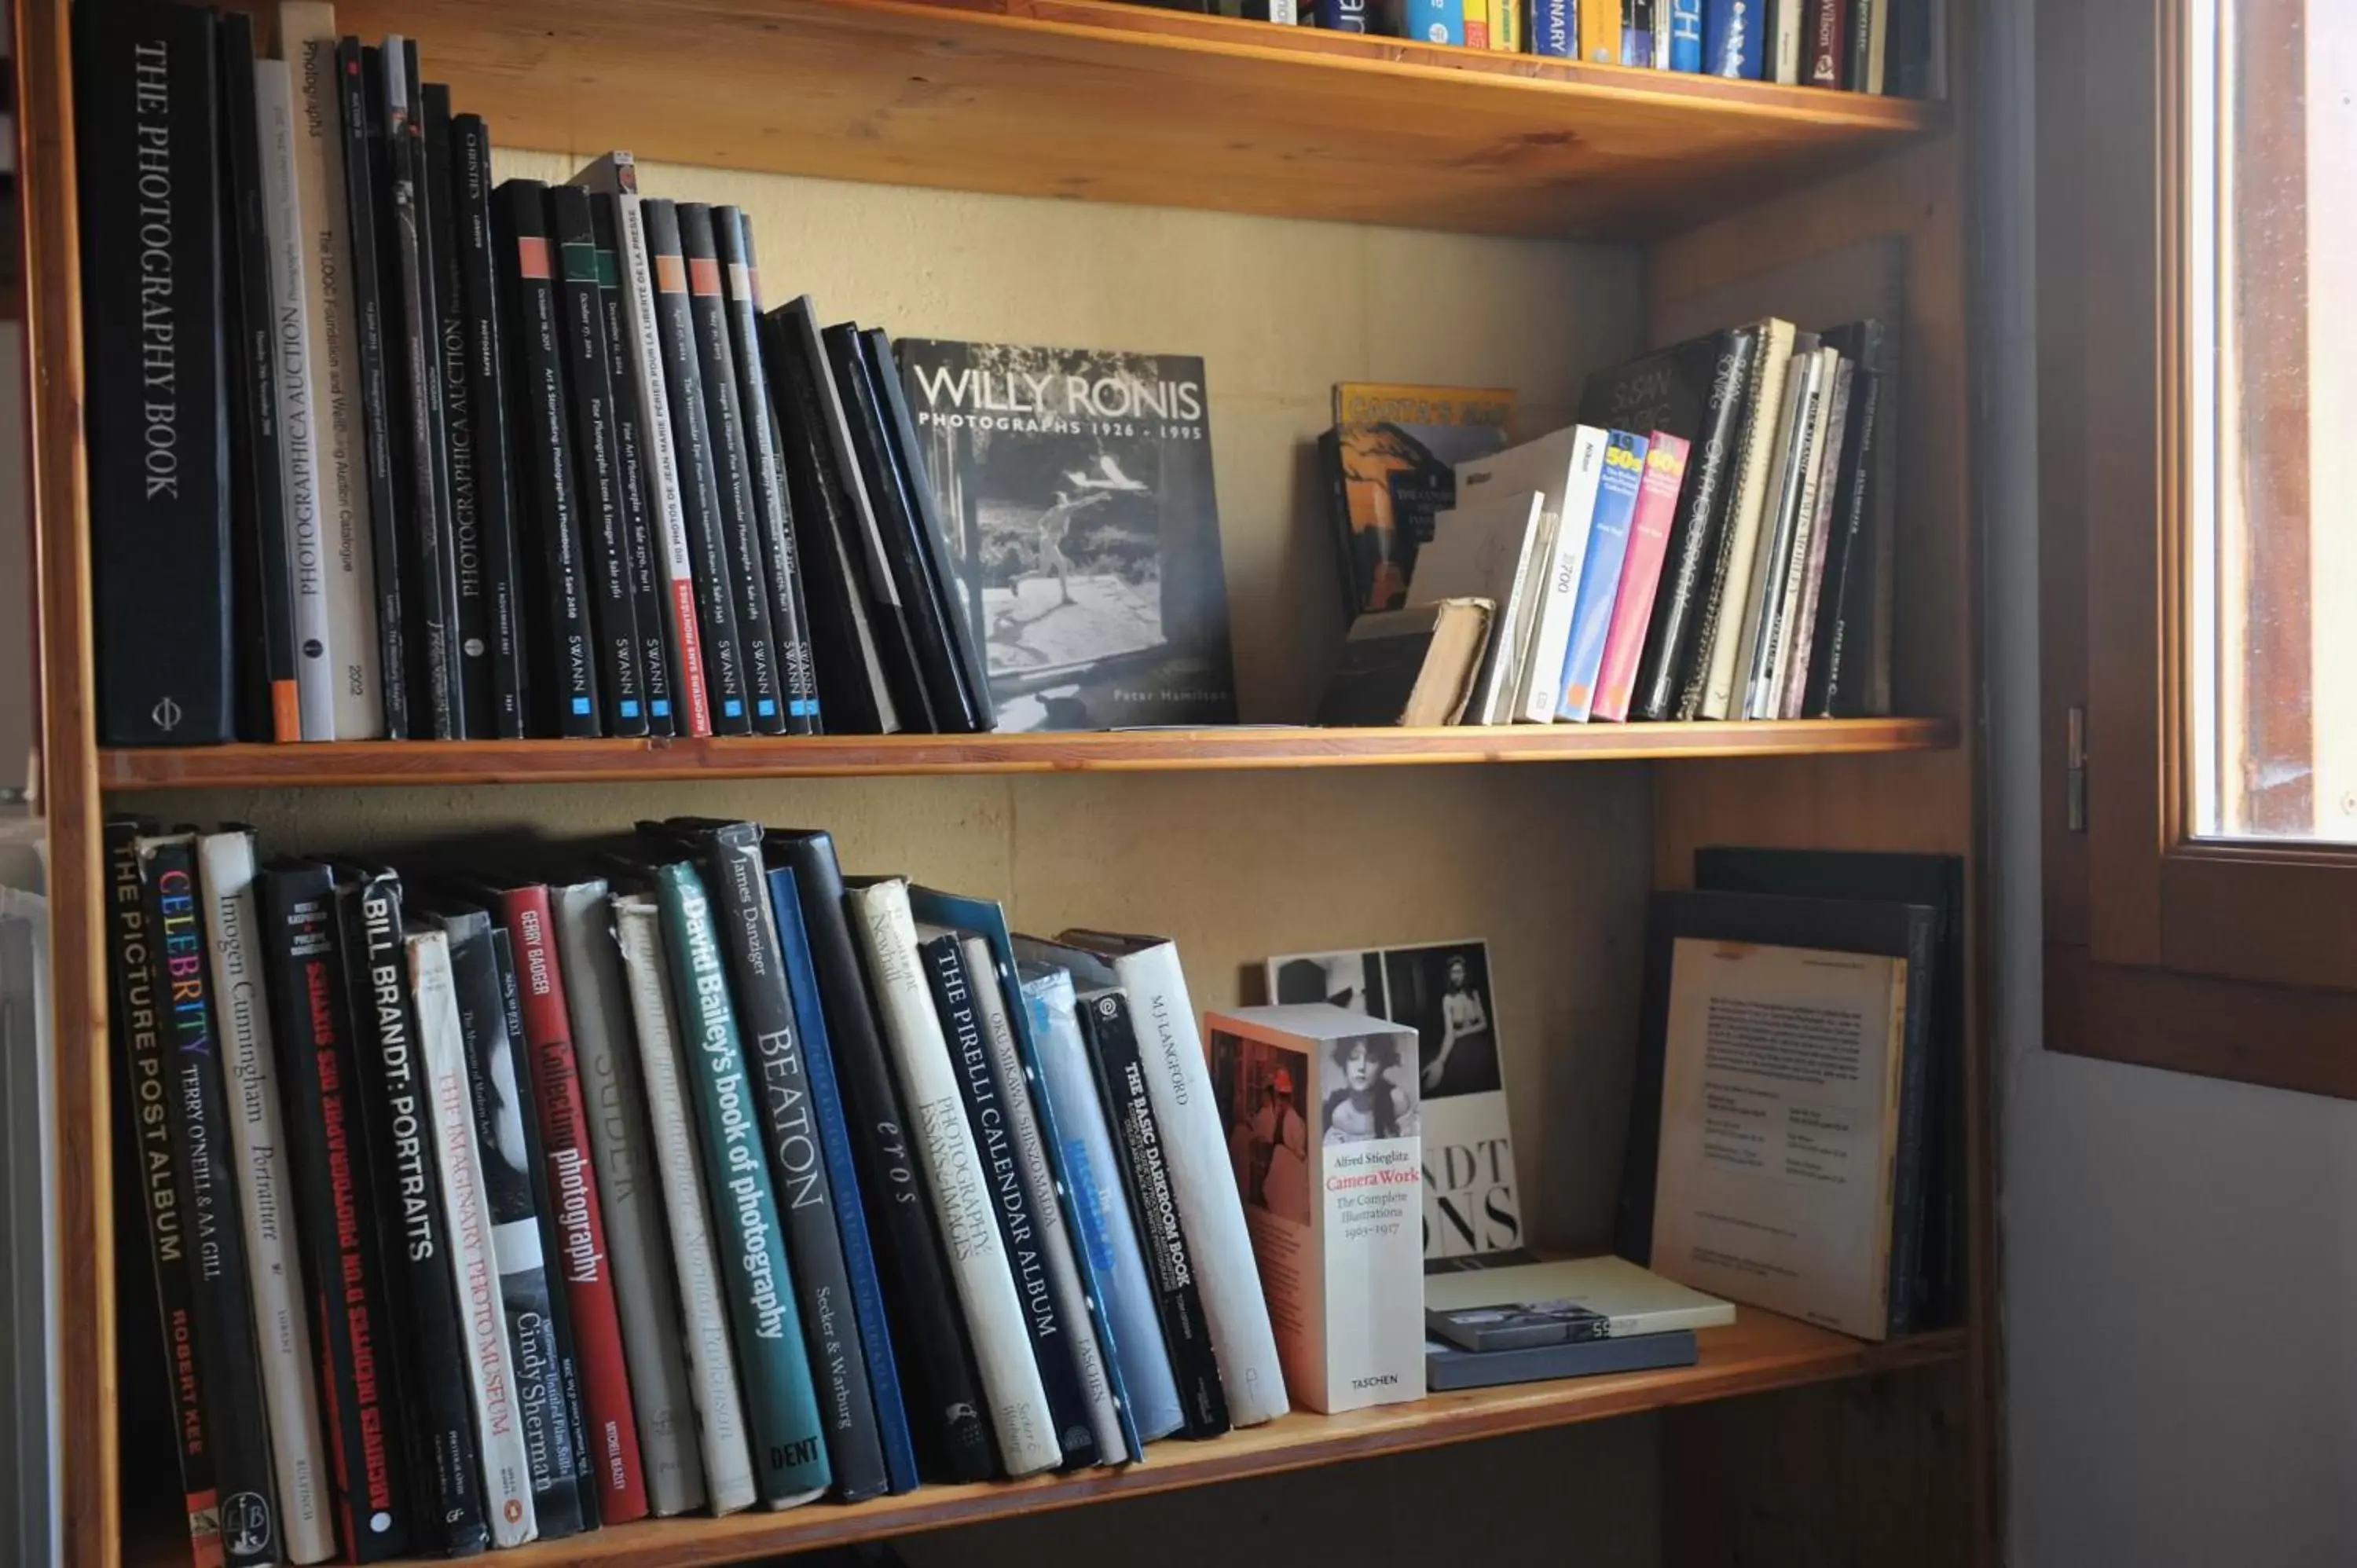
(1555, 28)
(1599, 574)
(1433, 21)
(1342, 16)
(1730, 37)
(851, 1217)
(1685, 34)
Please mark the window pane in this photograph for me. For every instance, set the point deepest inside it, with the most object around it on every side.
(2271, 577)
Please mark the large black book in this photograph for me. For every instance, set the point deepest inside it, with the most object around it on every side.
(147, 87)
(909, 457)
(597, 468)
(1715, 597)
(429, 1342)
(563, 658)
(335, 1188)
(781, 566)
(416, 350)
(475, 246)
(204, 1176)
(1019, 1228)
(725, 679)
(454, 394)
(634, 476)
(852, 688)
(730, 854)
(943, 1390)
(357, 76)
(892, 611)
(1839, 925)
(264, 604)
(1843, 652)
(506, 1124)
(732, 470)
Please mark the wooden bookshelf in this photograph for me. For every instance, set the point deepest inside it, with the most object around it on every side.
(370, 763)
(1110, 101)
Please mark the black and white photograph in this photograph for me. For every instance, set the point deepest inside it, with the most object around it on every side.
(1075, 486)
(1441, 991)
(1265, 1091)
(1365, 1092)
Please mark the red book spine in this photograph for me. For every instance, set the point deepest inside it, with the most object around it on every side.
(580, 1226)
(1828, 41)
(1640, 574)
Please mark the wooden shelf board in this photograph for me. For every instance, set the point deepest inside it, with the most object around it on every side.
(373, 763)
(1102, 101)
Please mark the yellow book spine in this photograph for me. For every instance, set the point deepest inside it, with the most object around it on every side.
(1600, 31)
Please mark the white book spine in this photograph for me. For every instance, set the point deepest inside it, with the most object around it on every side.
(1539, 678)
(1787, 57)
(655, 446)
(710, 1363)
(1040, 1188)
(265, 1196)
(314, 650)
(498, 1426)
(1210, 1210)
(306, 37)
(623, 1146)
(936, 1111)
(1750, 505)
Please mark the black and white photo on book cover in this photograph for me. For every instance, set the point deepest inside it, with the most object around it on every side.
(1442, 989)
(1075, 488)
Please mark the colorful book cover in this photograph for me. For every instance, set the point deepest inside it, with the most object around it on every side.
(1600, 32)
(1429, 21)
(1390, 468)
(1599, 577)
(1730, 37)
(1555, 28)
(1641, 573)
(1685, 34)
(1476, 23)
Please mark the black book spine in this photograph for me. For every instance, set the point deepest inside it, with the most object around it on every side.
(895, 612)
(1716, 600)
(943, 1389)
(1696, 529)
(634, 475)
(154, 414)
(454, 389)
(235, 1425)
(994, 1140)
(353, 77)
(497, 1076)
(265, 600)
(597, 464)
(780, 563)
(429, 1341)
(566, 676)
(1841, 652)
(731, 853)
(900, 430)
(732, 470)
(433, 548)
(144, 1069)
(716, 605)
(502, 558)
(1138, 1141)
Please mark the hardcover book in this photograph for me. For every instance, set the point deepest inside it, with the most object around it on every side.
(1076, 489)
(1472, 1202)
(1389, 465)
(1329, 1212)
(1565, 467)
(502, 563)
(461, 421)
(1641, 573)
(1600, 573)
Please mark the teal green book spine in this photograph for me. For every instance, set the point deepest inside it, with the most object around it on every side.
(789, 1463)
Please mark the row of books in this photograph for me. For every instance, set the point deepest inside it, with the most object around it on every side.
(482, 1208)
(1712, 540)
(381, 449)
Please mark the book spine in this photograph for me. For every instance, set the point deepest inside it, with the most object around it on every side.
(139, 995)
(1641, 573)
(336, 1191)
(1833, 689)
(944, 1394)
(797, 1168)
(1786, 46)
(1800, 637)
(675, 573)
(1772, 581)
(1600, 31)
(731, 471)
(1637, 33)
(473, 1266)
(155, 418)
(789, 1450)
(727, 1462)
(501, 563)
(579, 1216)
(835, 1139)
(429, 1330)
(236, 1422)
(1877, 46)
(726, 683)
(1154, 1206)
(1696, 532)
(1828, 46)
(306, 37)
(990, 1121)
(1555, 28)
(1432, 21)
(1685, 34)
(633, 475)
(257, 1135)
(1711, 686)
(1539, 681)
(566, 679)
(1600, 573)
(979, 1266)
(597, 473)
(460, 468)
(615, 1100)
(374, 446)
(1730, 37)
(1342, 16)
